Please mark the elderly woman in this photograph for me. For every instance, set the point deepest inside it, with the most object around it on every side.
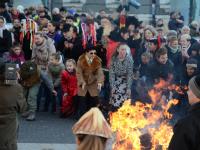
(120, 76)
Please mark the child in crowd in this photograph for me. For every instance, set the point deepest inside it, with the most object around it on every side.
(55, 68)
(69, 88)
(15, 55)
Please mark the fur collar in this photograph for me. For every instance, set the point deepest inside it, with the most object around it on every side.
(96, 64)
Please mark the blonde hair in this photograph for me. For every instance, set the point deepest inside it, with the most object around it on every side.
(186, 36)
(128, 50)
(72, 61)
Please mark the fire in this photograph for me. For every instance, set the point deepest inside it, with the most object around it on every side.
(144, 126)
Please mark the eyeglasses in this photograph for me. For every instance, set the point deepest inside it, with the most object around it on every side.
(92, 53)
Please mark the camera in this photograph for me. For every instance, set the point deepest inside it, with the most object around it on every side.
(10, 74)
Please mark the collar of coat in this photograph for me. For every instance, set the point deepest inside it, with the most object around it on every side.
(96, 63)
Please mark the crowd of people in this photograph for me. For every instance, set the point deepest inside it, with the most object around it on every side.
(69, 62)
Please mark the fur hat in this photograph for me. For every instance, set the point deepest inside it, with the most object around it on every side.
(93, 123)
(194, 85)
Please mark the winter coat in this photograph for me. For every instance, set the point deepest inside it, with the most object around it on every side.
(69, 89)
(41, 53)
(55, 72)
(71, 53)
(69, 83)
(121, 68)
(176, 58)
(7, 16)
(89, 74)
(12, 102)
(5, 42)
(187, 131)
(56, 36)
(157, 70)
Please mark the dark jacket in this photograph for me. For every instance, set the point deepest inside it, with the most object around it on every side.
(176, 58)
(71, 53)
(5, 42)
(157, 70)
(12, 102)
(187, 131)
(7, 16)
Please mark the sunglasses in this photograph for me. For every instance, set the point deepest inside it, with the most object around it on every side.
(92, 53)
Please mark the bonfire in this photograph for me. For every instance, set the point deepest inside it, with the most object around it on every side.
(141, 126)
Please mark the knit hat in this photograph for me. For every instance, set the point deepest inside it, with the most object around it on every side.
(194, 85)
(192, 63)
(93, 123)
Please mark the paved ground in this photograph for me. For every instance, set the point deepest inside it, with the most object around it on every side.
(48, 131)
(36, 146)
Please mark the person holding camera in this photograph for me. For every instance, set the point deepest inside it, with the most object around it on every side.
(12, 102)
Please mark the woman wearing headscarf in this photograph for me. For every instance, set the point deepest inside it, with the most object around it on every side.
(92, 131)
(120, 76)
(5, 37)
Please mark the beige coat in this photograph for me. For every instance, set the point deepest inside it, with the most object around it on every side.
(91, 75)
(41, 53)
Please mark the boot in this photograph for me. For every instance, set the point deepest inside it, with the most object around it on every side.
(31, 116)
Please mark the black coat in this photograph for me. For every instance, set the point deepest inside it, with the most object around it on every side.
(5, 42)
(157, 70)
(7, 16)
(176, 58)
(187, 131)
(71, 53)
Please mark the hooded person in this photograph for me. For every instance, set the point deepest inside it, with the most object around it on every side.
(187, 130)
(92, 131)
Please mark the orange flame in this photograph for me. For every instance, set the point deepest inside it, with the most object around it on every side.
(142, 126)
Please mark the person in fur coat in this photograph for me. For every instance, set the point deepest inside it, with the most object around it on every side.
(69, 88)
(90, 79)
